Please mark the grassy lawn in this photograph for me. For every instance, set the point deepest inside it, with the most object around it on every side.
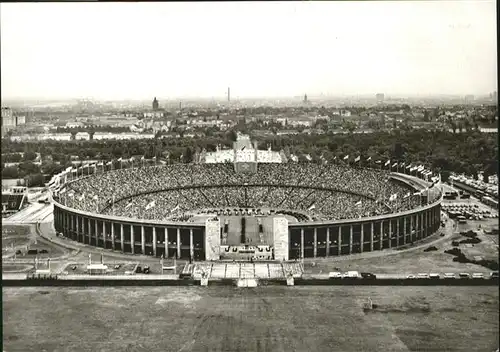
(261, 319)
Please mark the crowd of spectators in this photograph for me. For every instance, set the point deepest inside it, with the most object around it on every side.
(164, 192)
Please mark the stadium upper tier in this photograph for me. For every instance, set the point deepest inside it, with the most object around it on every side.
(160, 192)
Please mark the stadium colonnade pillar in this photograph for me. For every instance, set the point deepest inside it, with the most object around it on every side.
(104, 234)
(421, 224)
(122, 238)
(339, 240)
(381, 236)
(350, 238)
(397, 232)
(96, 232)
(167, 242)
(191, 244)
(361, 238)
(404, 230)
(154, 241)
(390, 233)
(113, 246)
(132, 239)
(412, 234)
(89, 234)
(327, 242)
(143, 240)
(315, 247)
(302, 243)
(372, 234)
(77, 227)
(178, 242)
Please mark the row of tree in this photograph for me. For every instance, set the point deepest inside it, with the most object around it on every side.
(467, 153)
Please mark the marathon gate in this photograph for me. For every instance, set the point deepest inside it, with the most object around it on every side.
(280, 234)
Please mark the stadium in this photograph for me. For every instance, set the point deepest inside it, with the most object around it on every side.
(248, 204)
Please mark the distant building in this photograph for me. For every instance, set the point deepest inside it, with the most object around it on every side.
(305, 98)
(155, 104)
(469, 99)
(380, 97)
(8, 120)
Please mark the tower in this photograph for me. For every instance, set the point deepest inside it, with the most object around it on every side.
(155, 104)
(228, 94)
(305, 98)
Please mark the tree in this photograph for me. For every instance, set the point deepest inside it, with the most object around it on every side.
(29, 156)
(10, 172)
(426, 115)
(188, 155)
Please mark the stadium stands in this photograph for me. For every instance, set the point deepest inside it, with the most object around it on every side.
(328, 192)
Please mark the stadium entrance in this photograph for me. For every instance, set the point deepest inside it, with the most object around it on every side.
(246, 253)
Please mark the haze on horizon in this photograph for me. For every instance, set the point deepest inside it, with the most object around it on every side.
(140, 50)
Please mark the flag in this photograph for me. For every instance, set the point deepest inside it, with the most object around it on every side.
(82, 197)
(420, 168)
(120, 159)
(387, 162)
(154, 158)
(150, 205)
(128, 205)
(100, 163)
(346, 157)
(313, 206)
(394, 165)
(358, 203)
(177, 207)
(406, 195)
(142, 158)
(131, 159)
(408, 166)
(378, 161)
(393, 197)
(308, 157)
(370, 158)
(357, 159)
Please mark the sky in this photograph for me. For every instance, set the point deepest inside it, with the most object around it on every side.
(276, 49)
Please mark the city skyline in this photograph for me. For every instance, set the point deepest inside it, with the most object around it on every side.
(172, 50)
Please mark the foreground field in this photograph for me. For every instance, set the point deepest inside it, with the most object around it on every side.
(261, 319)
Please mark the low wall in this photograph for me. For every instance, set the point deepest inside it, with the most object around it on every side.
(85, 282)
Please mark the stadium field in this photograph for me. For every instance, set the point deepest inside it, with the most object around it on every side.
(261, 319)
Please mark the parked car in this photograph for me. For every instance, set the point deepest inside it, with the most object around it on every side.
(44, 251)
(464, 275)
(422, 276)
(145, 270)
(478, 276)
(411, 276)
(449, 276)
(334, 275)
(494, 275)
(368, 276)
(434, 276)
(351, 275)
(117, 266)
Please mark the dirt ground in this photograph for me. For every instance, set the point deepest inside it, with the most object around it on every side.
(261, 319)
